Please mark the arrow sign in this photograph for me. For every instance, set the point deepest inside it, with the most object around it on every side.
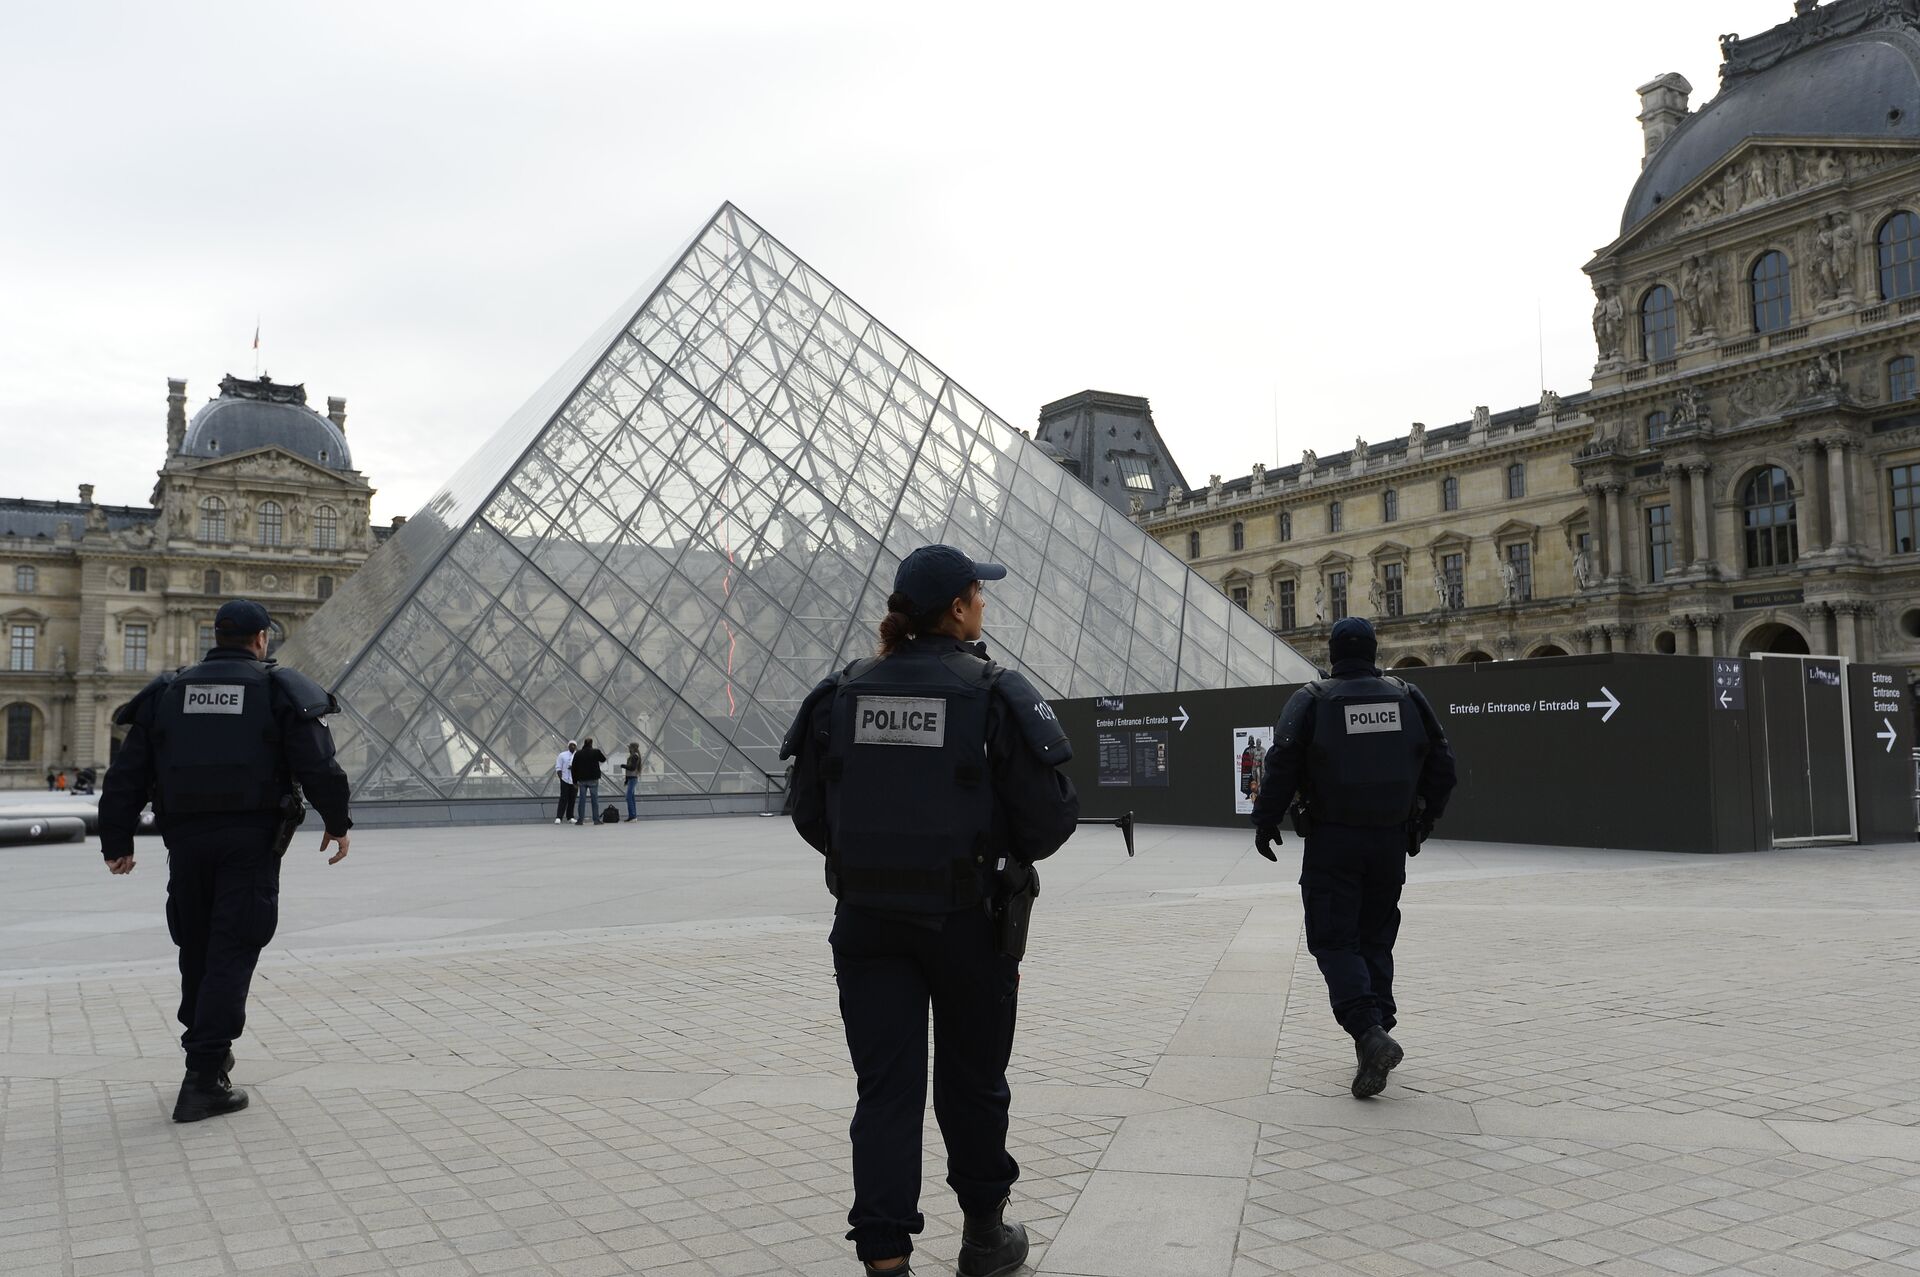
(1889, 735)
(1726, 701)
(1183, 720)
(1611, 704)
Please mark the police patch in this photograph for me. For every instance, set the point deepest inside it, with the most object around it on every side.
(1372, 718)
(900, 720)
(215, 698)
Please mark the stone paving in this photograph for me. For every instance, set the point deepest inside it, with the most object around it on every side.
(569, 1051)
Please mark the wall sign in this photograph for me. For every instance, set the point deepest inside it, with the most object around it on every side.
(1768, 598)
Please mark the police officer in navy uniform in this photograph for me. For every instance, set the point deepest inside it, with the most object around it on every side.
(1373, 771)
(216, 748)
(928, 778)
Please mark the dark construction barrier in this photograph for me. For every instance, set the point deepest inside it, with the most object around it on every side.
(1661, 753)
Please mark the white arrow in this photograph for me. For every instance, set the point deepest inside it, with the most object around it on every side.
(1725, 702)
(1889, 735)
(1611, 704)
(1183, 719)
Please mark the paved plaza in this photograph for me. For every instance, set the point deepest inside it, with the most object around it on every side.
(593, 1051)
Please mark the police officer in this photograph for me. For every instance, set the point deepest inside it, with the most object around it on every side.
(216, 748)
(927, 777)
(1373, 771)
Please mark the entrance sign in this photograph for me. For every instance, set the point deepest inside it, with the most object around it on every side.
(1672, 753)
(1729, 684)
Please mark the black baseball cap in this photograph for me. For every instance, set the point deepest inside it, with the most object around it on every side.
(934, 575)
(240, 618)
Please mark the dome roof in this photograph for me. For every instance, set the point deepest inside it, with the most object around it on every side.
(261, 414)
(1863, 86)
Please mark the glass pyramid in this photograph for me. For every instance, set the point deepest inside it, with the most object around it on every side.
(699, 517)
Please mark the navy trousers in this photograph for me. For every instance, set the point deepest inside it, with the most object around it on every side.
(890, 971)
(223, 906)
(1350, 881)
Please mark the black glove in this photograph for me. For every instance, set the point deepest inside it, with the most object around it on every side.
(1265, 839)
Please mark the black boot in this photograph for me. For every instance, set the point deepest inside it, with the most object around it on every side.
(906, 1268)
(1378, 1053)
(206, 1093)
(990, 1246)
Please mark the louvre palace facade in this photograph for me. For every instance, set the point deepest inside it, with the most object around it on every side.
(257, 497)
(1743, 474)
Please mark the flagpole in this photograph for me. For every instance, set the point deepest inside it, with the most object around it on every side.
(256, 347)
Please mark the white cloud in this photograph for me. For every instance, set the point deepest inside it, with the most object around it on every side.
(1361, 207)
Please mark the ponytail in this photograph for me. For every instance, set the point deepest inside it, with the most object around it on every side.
(900, 625)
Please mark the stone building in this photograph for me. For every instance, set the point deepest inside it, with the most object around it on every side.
(1744, 475)
(1110, 442)
(258, 498)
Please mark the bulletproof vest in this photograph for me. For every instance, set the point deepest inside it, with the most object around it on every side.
(217, 742)
(909, 800)
(1369, 743)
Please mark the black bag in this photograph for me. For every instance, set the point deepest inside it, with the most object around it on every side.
(611, 816)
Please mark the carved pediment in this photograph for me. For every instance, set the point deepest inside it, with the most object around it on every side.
(265, 463)
(135, 616)
(1333, 559)
(1283, 567)
(1759, 173)
(1388, 550)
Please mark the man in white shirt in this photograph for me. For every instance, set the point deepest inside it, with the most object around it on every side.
(563, 768)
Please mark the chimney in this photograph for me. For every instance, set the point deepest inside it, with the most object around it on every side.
(399, 521)
(337, 412)
(1663, 105)
(86, 494)
(176, 415)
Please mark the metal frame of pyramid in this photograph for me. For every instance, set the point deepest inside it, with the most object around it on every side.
(696, 519)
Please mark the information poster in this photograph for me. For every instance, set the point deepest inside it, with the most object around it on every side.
(1132, 756)
(1250, 745)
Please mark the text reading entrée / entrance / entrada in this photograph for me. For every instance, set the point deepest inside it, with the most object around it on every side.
(1510, 707)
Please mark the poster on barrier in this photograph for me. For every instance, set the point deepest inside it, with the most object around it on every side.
(1250, 745)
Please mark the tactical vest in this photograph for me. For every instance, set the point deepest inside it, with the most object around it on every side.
(1369, 743)
(217, 742)
(909, 798)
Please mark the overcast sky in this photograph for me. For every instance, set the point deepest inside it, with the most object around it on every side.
(1375, 213)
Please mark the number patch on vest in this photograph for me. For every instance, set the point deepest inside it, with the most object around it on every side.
(1372, 718)
(900, 720)
(216, 698)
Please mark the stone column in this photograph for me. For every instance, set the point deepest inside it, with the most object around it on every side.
(1620, 638)
(1839, 500)
(1702, 516)
(1819, 628)
(1616, 549)
(1680, 518)
(1812, 514)
(1710, 622)
(1846, 629)
(1597, 532)
(1692, 647)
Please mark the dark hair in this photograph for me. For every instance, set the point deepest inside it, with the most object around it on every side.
(900, 624)
(589, 744)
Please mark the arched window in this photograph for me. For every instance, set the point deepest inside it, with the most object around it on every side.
(1516, 481)
(137, 580)
(1901, 382)
(1656, 426)
(25, 579)
(1286, 525)
(1899, 245)
(210, 583)
(1389, 506)
(1659, 324)
(1239, 535)
(269, 513)
(1768, 512)
(1772, 294)
(20, 733)
(323, 588)
(1449, 493)
(1193, 545)
(1335, 516)
(326, 527)
(213, 519)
